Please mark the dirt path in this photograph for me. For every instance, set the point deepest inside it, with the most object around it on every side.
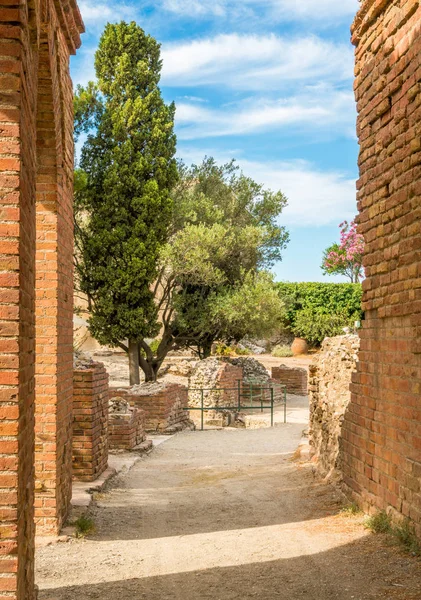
(225, 515)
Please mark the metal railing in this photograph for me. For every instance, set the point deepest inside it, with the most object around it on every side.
(256, 394)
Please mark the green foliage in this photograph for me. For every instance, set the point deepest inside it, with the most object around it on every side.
(123, 192)
(406, 536)
(380, 522)
(225, 233)
(87, 106)
(282, 352)
(315, 326)
(403, 533)
(317, 310)
(84, 526)
(222, 349)
(242, 351)
(351, 510)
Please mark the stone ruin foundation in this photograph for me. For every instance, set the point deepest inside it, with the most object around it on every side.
(126, 425)
(214, 373)
(163, 405)
(329, 390)
(90, 421)
(241, 380)
(294, 378)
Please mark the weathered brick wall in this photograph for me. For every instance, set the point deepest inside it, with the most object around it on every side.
(162, 404)
(126, 431)
(294, 378)
(25, 29)
(382, 428)
(90, 422)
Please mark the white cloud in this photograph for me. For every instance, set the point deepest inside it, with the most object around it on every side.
(318, 108)
(255, 62)
(315, 198)
(286, 10)
(96, 15)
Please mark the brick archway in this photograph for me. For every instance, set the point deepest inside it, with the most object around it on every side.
(36, 162)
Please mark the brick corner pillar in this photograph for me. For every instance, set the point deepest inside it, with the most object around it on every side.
(54, 268)
(90, 422)
(20, 49)
(381, 439)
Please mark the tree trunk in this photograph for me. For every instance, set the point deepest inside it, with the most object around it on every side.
(134, 363)
(207, 348)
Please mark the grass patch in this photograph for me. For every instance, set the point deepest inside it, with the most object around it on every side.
(282, 352)
(84, 526)
(379, 523)
(351, 510)
(405, 536)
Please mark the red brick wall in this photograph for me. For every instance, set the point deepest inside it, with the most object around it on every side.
(382, 428)
(20, 33)
(295, 379)
(163, 409)
(126, 431)
(90, 422)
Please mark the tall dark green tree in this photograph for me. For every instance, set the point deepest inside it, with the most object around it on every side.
(123, 201)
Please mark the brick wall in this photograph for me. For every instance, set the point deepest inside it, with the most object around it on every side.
(126, 431)
(90, 422)
(24, 28)
(295, 379)
(163, 407)
(382, 428)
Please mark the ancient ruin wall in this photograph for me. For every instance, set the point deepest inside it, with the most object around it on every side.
(329, 383)
(294, 378)
(36, 39)
(382, 427)
(90, 422)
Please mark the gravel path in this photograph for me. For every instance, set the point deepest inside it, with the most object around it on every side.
(225, 515)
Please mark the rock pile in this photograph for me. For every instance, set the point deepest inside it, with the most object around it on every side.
(329, 381)
(253, 370)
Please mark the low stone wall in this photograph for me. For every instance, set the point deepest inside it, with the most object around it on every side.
(294, 378)
(90, 421)
(163, 405)
(126, 425)
(329, 389)
(209, 374)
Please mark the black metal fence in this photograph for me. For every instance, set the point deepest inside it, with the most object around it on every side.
(247, 396)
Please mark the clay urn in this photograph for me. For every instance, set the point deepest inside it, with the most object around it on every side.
(299, 346)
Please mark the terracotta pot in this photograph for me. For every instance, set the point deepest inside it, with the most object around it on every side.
(299, 346)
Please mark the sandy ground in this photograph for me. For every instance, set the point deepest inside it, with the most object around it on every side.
(226, 515)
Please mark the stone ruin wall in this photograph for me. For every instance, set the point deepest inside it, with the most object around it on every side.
(382, 427)
(163, 404)
(329, 382)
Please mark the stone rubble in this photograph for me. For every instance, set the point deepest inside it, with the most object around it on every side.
(329, 382)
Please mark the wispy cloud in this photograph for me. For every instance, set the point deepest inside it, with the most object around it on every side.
(255, 62)
(96, 15)
(315, 197)
(285, 10)
(319, 108)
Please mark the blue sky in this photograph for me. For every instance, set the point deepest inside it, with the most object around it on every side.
(268, 82)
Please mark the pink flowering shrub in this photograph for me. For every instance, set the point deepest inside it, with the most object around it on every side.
(346, 258)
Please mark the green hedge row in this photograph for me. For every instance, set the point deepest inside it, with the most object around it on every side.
(318, 310)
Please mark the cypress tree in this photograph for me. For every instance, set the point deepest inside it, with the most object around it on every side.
(124, 207)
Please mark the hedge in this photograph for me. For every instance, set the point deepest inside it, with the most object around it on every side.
(317, 310)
